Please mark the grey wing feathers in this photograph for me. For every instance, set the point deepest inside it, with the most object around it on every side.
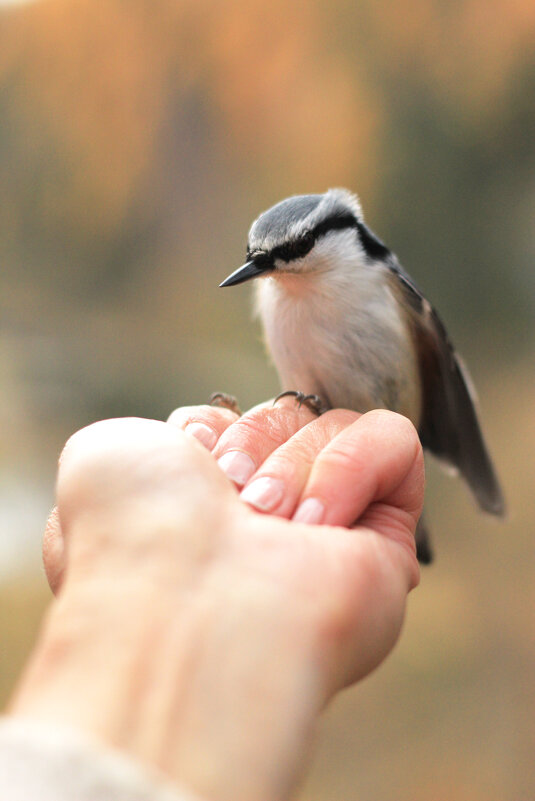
(449, 427)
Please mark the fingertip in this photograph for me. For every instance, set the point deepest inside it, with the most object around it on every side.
(206, 423)
(388, 424)
(245, 446)
(310, 511)
(237, 465)
(378, 457)
(202, 432)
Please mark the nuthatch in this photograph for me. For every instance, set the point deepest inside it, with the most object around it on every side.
(345, 322)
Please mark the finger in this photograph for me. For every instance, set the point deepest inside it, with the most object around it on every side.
(377, 460)
(279, 483)
(205, 423)
(54, 551)
(247, 443)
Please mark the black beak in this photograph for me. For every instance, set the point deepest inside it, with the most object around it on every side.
(249, 270)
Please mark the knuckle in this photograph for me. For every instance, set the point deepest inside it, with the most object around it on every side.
(290, 461)
(273, 424)
(339, 417)
(342, 456)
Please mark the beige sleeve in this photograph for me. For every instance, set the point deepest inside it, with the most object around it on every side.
(53, 763)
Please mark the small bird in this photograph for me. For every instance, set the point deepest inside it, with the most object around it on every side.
(346, 323)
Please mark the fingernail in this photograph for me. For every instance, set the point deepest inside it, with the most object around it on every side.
(310, 511)
(206, 435)
(238, 466)
(264, 493)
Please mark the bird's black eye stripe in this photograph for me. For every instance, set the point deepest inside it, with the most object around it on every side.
(298, 248)
(373, 247)
(261, 258)
(334, 223)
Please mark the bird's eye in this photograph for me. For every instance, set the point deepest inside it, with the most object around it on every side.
(260, 258)
(294, 250)
(285, 252)
(305, 243)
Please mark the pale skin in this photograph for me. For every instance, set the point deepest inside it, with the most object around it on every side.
(204, 638)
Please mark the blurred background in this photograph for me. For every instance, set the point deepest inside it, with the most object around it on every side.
(138, 140)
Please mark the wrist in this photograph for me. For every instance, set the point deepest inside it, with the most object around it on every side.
(184, 675)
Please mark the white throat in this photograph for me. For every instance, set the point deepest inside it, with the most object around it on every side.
(335, 328)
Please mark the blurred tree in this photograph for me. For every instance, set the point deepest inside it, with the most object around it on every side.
(139, 140)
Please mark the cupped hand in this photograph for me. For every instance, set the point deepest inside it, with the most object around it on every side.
(337, 469)
(162, 566)
(354, 483)
(362, 476)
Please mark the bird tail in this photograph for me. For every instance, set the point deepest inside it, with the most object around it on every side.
(424, 551)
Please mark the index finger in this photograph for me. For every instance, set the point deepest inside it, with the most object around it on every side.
(247, 443)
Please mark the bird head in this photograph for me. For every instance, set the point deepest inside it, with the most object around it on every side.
(307, 233)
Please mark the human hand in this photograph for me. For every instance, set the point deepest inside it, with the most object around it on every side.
(246, 624)
(338, 469)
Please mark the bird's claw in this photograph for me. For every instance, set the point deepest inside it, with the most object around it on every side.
(313, 402)
(225, 401)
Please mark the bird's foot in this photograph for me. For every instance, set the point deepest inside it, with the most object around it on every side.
(225, 401)
(313, 402)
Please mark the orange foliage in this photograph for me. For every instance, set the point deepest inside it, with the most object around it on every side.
(283, 93)
(470, 51)
(101, 83)
(299, 109)
(94, 79)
